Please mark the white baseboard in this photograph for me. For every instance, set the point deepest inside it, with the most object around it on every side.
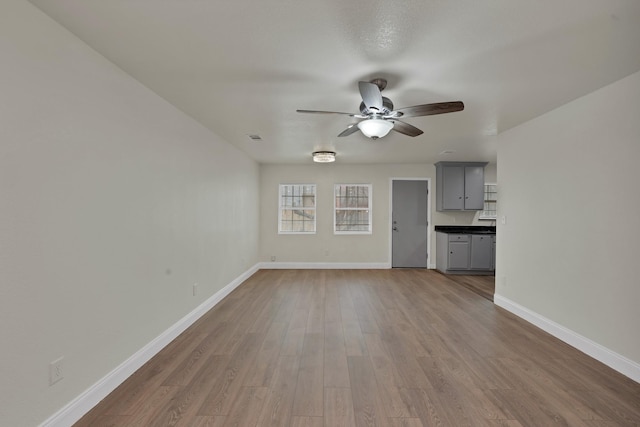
(325, 265)
(610, 358)
(329, 265)
(83, 403)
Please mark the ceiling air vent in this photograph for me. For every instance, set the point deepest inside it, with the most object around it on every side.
(255, 137)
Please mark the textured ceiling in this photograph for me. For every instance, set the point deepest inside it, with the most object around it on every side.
(243, 67)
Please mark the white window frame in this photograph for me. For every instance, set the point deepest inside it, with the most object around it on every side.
(490, 198)
(283, 207)
(368, 209)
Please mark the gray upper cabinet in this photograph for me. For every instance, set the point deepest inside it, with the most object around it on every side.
(460, 186)
(452, 192)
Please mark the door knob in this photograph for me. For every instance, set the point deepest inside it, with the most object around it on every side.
(395, 228)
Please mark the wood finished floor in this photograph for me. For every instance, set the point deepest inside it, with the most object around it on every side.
(366, 348)
(485, 286)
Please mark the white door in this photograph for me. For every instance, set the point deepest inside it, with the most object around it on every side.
(409, 224)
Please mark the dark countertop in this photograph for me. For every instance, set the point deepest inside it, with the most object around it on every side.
(466, 229)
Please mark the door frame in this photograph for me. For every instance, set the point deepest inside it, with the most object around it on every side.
(430, 258)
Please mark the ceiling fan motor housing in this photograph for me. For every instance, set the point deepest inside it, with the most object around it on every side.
(387, 108)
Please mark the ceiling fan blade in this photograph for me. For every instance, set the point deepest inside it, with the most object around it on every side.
(349, 130)
(324, 112)
(431, 109)
(406, 128)
(371, 96)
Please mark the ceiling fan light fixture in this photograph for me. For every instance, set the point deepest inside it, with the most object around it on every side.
(324, 156)
(375, 128)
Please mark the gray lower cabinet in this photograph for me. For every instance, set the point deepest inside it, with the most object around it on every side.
(458, 256)
(465, 253)
(481, 252)
(493, 252)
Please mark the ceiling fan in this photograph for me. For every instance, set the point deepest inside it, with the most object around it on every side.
(380, 117)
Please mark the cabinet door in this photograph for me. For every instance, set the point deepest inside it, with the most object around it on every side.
(474, 187)
(493, 254)
(458, 255)
(481, 252)
(453, 187)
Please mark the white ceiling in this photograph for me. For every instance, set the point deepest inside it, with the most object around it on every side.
(243, 67)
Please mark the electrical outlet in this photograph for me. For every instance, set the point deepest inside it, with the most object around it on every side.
(56, 371)
(273, 258)
(195, 289)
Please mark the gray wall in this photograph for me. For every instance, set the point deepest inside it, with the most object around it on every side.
(112, 204)
(568, 187)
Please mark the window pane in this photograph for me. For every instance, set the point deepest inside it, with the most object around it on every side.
(285, 225)
(352, 217)
(352, 207)
(363, 197)
(309, 201)
(304, 215)
(352, 196)
(297, 208)
(309, 226)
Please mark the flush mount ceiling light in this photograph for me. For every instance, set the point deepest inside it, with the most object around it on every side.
(375, 128)
(324, 156)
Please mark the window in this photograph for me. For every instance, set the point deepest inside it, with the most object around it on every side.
(297, 213)
(352, 209)
(490, 202)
